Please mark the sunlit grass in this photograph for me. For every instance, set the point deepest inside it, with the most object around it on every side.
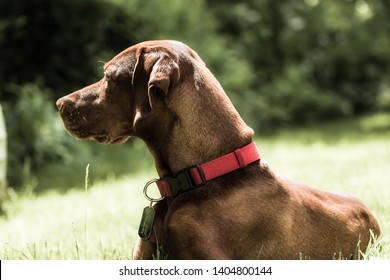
(54, 226)
(101, 221)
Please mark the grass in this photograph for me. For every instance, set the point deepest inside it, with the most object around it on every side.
(100, 221)
(53, 226)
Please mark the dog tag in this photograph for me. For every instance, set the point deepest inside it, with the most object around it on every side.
(147, 220)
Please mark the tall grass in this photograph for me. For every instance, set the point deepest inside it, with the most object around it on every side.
(54, 226)
(100, 221)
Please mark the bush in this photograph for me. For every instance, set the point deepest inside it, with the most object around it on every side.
(35, 134)
(341, 46)
(291, 99)
(58, 43)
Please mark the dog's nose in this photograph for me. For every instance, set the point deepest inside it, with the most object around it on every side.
(67, 100)
(64, 101)
(60, 103)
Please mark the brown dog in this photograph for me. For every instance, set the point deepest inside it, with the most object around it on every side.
(162, 92)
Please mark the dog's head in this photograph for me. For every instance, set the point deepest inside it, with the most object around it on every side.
(134, 85)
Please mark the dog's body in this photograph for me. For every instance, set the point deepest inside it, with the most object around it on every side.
(161, 92)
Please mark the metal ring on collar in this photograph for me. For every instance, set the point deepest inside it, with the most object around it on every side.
(146, 192)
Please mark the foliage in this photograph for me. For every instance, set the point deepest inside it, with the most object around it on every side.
(340, 50)
(55, 42)
(283, 63)
(40, 136)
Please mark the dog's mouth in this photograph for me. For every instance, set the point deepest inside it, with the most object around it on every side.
(103, 139)
(82, 130)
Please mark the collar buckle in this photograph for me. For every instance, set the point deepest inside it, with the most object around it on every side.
(184, 180)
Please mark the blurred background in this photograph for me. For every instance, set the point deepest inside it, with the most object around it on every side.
(283, 63)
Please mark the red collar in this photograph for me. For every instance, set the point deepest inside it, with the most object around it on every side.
(198, 175)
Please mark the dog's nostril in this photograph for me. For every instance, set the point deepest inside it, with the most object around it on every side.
(60, 103)
(66, 101)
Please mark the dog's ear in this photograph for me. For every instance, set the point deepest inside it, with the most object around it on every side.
(164, 74)
(154, 72)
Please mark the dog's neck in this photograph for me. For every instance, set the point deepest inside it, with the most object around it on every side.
(206, 126)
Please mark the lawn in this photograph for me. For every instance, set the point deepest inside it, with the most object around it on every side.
(100, 220)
